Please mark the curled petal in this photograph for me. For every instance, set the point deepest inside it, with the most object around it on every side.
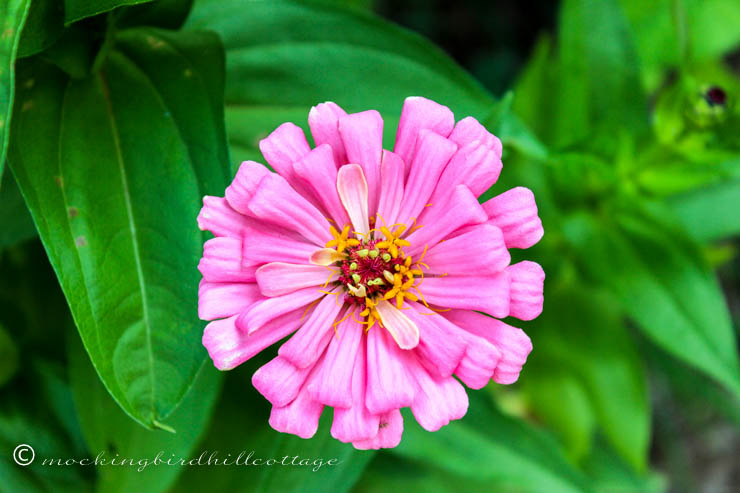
(324, 122)
(224, 299)
(279, 381)
(479, 251)
(527, 280)
(515, 213)
(222, 261)
(420, 113)
(489, 294)
(268, 309)
(218, 217)
(390, 430)
(279, 278)
(245, 183)
(284, 146)
(352, 189)
(438, 401)
(469, 129)
(325, 256)
(362, 134)
(403, 330)
(318, 170)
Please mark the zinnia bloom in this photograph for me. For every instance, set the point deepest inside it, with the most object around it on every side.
(383, 265)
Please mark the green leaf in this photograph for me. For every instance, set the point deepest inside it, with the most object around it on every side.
(586, 340)
(598, 74)
(8, 357)
(44, 24)
(662, 282)
(310, 52)
(12, 16)
(709, 213)
(114, 188)
(240, 426)
(74, 10)
(169, 14)
(110, 431)
(17, 223)
(612, 475)
(489, 446)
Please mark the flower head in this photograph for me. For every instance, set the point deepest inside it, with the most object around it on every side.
(383, 265)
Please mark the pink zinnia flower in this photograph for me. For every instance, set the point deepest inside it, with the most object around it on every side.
(382, 263)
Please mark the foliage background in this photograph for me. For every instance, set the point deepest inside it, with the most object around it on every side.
(124, 115)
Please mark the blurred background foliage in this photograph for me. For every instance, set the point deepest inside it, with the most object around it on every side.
(621, 115)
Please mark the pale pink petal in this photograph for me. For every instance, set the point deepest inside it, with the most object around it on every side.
(265, 310)
(218, 217)
(356, 423)
(266, 244)
(391, 188)
(390, 430)
(433, 152)
(224, 299)
(325, 256)
(284, 146)
(474, 165)
(420, 113)
(480, 251)
(439, 220)
(403, 330)
(440, 350)
(513, 344)
(515, 212)
(389, 386)
(301, 416)
(352, 189)
(318, 170)
(362, 135)
(489, 294)
(229, 347)
(324, 122)
(240, 191)
(222, 261)
(307, 345)
(279, 278)
(527, 280)
(333, 383)
(469, 129)
(275, 202)
(438, 401)
(279, 381)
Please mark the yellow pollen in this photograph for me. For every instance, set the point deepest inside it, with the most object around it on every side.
(341, 240)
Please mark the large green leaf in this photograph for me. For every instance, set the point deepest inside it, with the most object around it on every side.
(110, 431)
(17, 223)
(663, 283)
(489, 446)
(44, 25)
(114, 187)
(710, 213)
(585, 340)
(285, 56)
(12, 16)
(75, 10)
(598, 73)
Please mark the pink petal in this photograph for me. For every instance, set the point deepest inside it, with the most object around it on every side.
(480, 251)
(229, 347)
(474, 165)
(318, 170)
(352, 189)
(307, 345)
(527, 281)
(284, 146)
(222, 261)
(433, 152)
(479, 363)
(275, 202)
(218, 217)
(241, 190)
(403, 330)
(390, 430)
(279, 278)
(438, 401)
(469, 129)
(420, 113)
(439, 220)
(515, 212)
(356, 423)
(488, 294)
(220, 299)
(362, 134)
(389, 386)
(391, 188)
(324, 122)
(440, 350)
(279, 381)
(266, 244)
(265, 310)
(333, 383)
(513, 344)
(300, 417)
